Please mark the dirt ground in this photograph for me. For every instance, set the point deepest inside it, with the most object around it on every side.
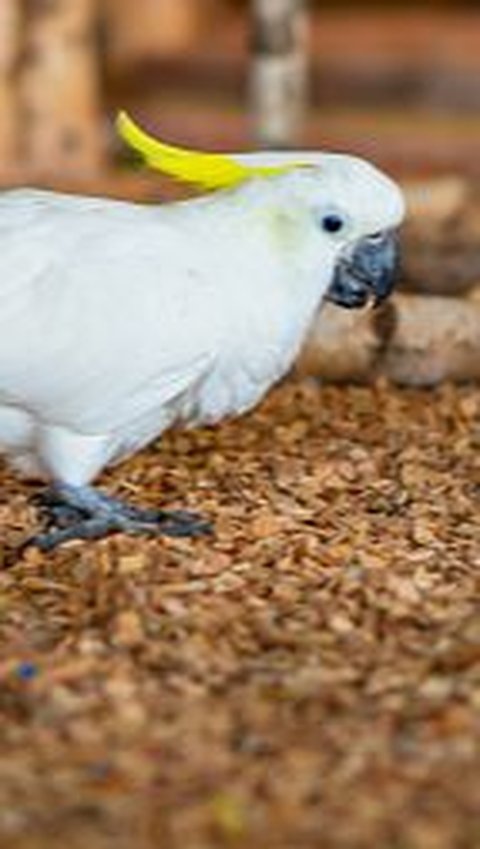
(309, 677)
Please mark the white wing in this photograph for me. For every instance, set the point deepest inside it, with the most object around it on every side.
(100, 310)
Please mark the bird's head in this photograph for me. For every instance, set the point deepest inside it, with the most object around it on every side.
(352, 212)
(349, 209)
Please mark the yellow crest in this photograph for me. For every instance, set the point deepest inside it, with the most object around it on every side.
(204, 170)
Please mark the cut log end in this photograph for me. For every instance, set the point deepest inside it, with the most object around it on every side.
(422, 341)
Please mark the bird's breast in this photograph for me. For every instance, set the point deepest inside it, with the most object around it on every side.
(259, 348)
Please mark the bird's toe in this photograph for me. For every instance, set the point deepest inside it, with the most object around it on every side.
(183, 523)
(87, 515)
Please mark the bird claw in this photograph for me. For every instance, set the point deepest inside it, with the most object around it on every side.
(66, 521)
(56, 514)
(182, 523)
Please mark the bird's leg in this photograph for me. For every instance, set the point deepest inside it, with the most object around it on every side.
(54, 512)
(81, 512)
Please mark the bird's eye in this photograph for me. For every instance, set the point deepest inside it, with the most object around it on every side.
(333, 222)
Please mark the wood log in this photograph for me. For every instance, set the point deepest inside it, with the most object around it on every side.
(414, 340)
(146, 29)
(9, 51)
(434, 339)
(441, 237)
(439, 266)
(345, 345)
(279, 69)
(437, 200)
(59, 87)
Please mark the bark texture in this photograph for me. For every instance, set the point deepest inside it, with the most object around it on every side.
(441, 237)
(435, 339)
(278, 83)
(415, 340)
(9, 51)
(59, 87)
(145, 29)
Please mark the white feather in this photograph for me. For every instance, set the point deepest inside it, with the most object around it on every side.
(117, 320)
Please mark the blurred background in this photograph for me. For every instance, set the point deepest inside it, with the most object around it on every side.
(396, 82)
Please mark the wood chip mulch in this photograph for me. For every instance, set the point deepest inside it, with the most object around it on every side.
(308, 678)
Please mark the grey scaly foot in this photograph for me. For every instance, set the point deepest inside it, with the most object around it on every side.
(83, 513)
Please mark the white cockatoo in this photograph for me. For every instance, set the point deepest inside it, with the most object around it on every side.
(119, 320)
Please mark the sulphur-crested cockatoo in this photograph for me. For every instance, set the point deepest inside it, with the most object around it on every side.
(118, 320)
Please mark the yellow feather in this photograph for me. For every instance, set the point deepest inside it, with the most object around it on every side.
(205, 170)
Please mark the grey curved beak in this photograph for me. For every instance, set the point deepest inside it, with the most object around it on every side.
(368, 272)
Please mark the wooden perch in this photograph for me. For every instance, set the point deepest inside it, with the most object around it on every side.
(9, 49)
(146, 29)
(278, 82)
(441, 237)
(59, 88)
(434, 339)
(414, 340)
(344, 344)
